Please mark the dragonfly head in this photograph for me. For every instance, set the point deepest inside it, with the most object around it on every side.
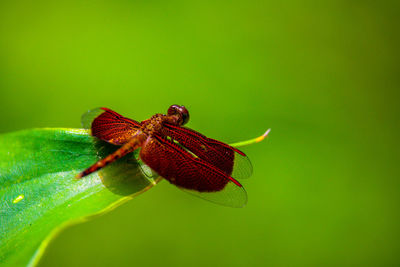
(181, 112)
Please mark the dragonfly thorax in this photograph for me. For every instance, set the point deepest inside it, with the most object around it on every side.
(153, 125)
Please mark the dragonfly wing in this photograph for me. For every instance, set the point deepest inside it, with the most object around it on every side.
(191, 173)
(231, 196)
(124, 176)
(225, 157)
(109, 126)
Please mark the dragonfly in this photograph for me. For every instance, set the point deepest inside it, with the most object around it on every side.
(187, 159)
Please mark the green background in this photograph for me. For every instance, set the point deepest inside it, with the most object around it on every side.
(322, 74)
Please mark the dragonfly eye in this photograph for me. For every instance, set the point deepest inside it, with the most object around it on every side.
(181, 111)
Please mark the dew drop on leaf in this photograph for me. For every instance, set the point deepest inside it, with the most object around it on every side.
(18, 199)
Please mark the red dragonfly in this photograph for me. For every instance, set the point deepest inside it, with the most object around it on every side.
(202, 166)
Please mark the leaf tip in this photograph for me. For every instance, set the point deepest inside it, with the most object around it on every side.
(262, 137)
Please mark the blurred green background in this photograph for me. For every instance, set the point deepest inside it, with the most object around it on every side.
(322, 74)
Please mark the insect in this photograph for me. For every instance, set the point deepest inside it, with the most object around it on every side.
(202, 166)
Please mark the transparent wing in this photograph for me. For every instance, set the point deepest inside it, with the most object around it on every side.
(124, 176)
(191, 173)
(226, 158)
(231, 196)
(109, 126)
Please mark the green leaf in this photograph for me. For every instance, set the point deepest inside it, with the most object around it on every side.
(39, 195)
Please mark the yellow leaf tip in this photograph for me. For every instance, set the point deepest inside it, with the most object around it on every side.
(262, 137)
